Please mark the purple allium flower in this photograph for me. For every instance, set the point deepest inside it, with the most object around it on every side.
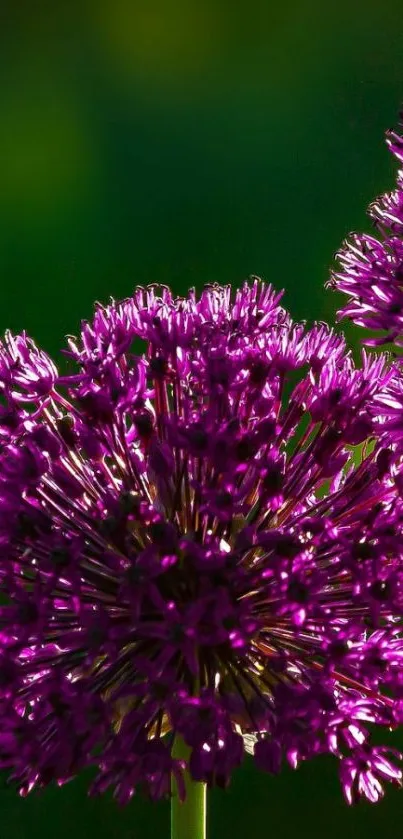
(199, 536)
(370, 268)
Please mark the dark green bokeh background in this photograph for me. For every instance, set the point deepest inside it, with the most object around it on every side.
(189, 142)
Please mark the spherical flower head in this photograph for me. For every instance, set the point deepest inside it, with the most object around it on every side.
(197, 541)
(370, 267)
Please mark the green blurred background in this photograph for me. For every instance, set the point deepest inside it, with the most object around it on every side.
(189, 142)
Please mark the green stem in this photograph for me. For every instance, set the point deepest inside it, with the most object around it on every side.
(188, 819)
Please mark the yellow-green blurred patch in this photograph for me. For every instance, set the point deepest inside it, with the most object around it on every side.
(46, 152)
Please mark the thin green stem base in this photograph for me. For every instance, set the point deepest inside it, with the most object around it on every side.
(188, 819)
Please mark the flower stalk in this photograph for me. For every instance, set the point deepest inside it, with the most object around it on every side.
(188, 818)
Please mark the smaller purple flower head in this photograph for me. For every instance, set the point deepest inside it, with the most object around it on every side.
(370, 267)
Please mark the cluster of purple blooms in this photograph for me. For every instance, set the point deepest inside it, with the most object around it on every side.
(201, 536)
